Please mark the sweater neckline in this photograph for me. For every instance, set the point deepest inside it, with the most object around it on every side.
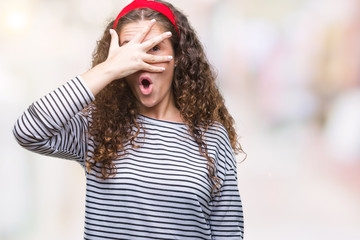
(159, 121)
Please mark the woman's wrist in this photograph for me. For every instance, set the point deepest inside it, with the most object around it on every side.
(98, 77)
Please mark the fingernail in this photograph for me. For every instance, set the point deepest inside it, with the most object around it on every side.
(111, 30)
(170, 57)
(153, 20)
(168, 33)
(163, 69)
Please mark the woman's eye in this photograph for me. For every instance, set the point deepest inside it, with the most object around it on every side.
(156, 48)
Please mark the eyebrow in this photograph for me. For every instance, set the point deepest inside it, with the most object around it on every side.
(127, 41)
(124, 42)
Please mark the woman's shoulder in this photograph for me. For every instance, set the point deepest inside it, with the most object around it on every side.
(218, 137)
(217, 131)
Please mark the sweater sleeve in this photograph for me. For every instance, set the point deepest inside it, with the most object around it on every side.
(54, 125)
(226, 217)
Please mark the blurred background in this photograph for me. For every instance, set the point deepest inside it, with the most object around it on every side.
(289, 72)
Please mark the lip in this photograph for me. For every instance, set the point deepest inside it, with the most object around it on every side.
(143, 90)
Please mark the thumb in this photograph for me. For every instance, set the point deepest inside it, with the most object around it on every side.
(114, 43)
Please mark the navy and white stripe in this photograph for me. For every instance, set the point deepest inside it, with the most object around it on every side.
(161, 189)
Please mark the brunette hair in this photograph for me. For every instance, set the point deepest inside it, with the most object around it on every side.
(114, 111)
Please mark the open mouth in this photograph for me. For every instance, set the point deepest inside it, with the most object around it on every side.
(146, 85)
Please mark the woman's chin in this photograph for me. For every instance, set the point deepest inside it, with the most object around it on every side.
(147, 102)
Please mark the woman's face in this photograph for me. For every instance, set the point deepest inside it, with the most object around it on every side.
(152, 90)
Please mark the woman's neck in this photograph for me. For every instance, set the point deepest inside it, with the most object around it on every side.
(165, 110)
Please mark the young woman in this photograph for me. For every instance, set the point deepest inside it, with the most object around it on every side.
(156, 143)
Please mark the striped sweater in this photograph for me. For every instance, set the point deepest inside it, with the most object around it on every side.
(161, 189)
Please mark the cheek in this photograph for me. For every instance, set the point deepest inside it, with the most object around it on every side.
(170, 73)
(130, 80)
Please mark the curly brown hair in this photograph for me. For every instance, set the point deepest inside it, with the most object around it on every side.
(114, 111)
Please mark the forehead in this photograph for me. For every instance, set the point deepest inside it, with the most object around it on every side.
(129, 30)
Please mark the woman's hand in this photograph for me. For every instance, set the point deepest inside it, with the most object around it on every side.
(127, 59)
(132, 56)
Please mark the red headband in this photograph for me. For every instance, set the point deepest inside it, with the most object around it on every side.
(159, 7)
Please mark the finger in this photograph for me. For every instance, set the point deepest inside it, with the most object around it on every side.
(155, 41)
(151, 68)
(114, 42)
(149, 58)
(139, 37)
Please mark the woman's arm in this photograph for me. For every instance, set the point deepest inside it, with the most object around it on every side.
(226, 219)
(53, 125)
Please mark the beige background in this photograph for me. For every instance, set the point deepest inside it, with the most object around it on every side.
(289, 71)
